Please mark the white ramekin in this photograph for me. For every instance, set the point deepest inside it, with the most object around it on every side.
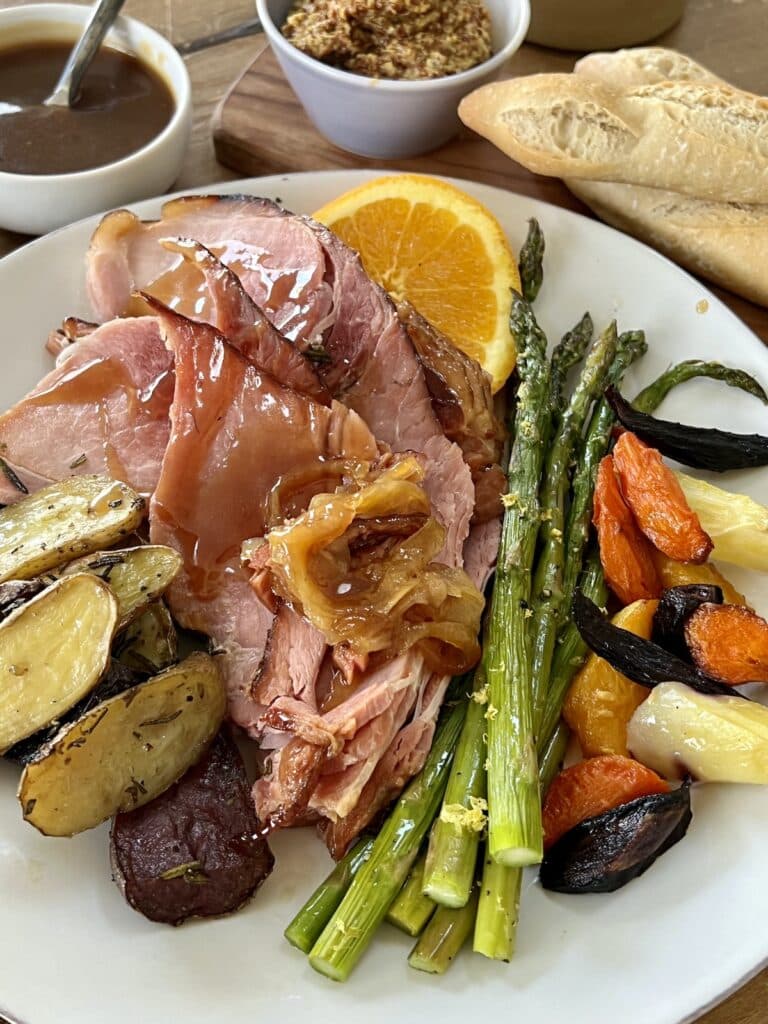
(36, 203)
(381, 118)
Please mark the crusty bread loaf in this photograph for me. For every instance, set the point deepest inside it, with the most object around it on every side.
(643, 65)
(725, 242)
(702, 139)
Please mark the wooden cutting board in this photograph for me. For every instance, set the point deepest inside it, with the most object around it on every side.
(260, 128)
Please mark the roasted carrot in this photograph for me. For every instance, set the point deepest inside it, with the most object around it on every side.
(657, 501)
(591, 787)
(729, 642)
(625, 553)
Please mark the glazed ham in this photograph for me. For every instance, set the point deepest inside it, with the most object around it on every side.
(276, 256)
(104, 409)
(234, 313)
(462, 401)
(338, 751)
(227, 453)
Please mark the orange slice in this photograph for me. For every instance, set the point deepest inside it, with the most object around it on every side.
(430, 243)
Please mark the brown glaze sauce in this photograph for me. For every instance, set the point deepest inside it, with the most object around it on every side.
(182, 287)
(122, 106)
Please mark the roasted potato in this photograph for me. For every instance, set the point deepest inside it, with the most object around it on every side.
(137, 575)
(196, 850)
(53, 650)
(125, 752)
(118, 679)
(61, 522)
(150, 643)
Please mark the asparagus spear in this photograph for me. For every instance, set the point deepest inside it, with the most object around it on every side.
(304, 930)
(499, 897)
(514, 810)
(453, 842)
(553, 755)
(531, 260)
(365, 904)
(548, 581)
(631, 345)
(411, 910)
(455, 836)
(443, 937)
(652, 396)
(567, 354)
(497, 910)
(570, 652)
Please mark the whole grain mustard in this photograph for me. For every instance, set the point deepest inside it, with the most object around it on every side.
(406, 39)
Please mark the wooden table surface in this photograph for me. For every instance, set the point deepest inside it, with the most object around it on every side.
(729, 36)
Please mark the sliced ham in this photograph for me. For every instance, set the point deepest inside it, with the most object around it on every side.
(313, 288)
(103, 410)
(233, 312)
(364, 724)
(277, 257)
(402, 759)
(480, 551)
(236, 434)
(372, 366)
(293, 657)
(462, 401)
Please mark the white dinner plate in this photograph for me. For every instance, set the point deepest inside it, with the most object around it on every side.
(657, 952)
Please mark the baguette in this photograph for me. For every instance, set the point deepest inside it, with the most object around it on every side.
(725, 242)
(701, 139)
(643, 65)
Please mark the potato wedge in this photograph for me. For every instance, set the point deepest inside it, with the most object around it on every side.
(136, 576)
(117, 679)
(63, 521)
(125, 752)
(150, 643)
(53, 650)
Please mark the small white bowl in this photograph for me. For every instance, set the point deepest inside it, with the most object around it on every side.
(36, 203)
(385, 118)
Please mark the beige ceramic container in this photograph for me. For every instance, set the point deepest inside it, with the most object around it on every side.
(601, 24)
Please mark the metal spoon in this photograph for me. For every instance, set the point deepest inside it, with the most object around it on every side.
(66, 90)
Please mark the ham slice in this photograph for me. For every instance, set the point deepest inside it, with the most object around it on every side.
(236, 433)
(234, 313)
(103, 410)
(462, 401)
(276, 256)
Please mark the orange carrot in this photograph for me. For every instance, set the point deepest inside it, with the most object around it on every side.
(592, 787)
(626, 554)
(729, 642)
(657, 501)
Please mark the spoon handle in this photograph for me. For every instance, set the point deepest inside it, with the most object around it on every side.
(68, 86)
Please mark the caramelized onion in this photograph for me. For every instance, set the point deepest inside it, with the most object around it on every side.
(359, 565)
